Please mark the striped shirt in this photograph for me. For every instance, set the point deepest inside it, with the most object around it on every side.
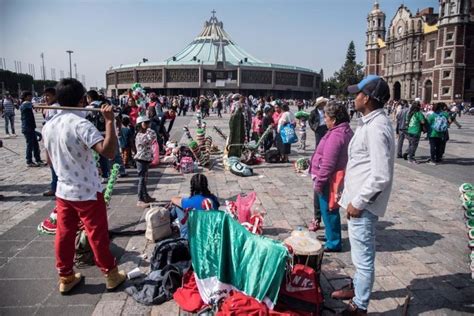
(8, 106)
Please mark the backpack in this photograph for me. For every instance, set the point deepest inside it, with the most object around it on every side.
(170, 251)
(440, 123)
(301, 292)
(157, 223)
(169, 261)
(272, 156)
(84, 255)
(186, 165)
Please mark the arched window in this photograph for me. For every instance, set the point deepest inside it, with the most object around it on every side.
(379, 22)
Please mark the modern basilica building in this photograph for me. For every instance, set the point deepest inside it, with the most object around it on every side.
(214, 64)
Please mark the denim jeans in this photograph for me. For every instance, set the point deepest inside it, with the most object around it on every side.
(9, 119)
(32, 147)
(332, 222)
(142, 169)
(104, 166)
(362, 238)
(178, 213)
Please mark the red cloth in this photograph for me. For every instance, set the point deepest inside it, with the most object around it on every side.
(93, 215)
(134, 112)
(187, 296)
(244, 205)
(239, 304)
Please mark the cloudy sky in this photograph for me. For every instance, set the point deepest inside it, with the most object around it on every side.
(104, 33)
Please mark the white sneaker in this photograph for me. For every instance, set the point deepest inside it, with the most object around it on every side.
(14, 135)
(7, 136)
(104, 180)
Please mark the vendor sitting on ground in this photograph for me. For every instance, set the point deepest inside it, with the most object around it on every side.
(201, 199)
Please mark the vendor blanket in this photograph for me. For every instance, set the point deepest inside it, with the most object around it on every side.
(226, 256)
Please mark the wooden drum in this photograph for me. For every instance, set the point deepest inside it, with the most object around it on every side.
(307, 249)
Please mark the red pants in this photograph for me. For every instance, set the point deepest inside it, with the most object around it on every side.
(93, 215)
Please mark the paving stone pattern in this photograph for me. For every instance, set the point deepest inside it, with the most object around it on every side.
(421, 242)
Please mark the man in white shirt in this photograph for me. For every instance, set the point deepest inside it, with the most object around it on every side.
(367, 186)
(69, 140)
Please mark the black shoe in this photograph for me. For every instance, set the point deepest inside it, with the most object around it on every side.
(32, 165)
(399, 156)
(405, 156)
(352, 309)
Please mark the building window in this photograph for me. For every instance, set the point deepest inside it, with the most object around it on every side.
(448, 54)
(449, 37)
(415, 56)
(398, 55)
(446, 74)
(379, 22)
(431, 49)
(446, 90)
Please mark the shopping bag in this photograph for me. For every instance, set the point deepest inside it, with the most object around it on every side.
(288, 134)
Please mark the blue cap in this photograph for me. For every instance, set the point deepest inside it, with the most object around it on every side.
(373, 86)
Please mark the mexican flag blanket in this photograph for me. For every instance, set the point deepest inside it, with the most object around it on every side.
(225, 257)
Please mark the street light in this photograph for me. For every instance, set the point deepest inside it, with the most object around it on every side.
(70, 65)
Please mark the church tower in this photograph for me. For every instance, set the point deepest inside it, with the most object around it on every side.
(451, 54)
(375, 38)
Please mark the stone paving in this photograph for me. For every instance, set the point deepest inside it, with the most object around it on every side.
(421, 242)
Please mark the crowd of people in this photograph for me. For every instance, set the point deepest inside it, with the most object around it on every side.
(125, 132)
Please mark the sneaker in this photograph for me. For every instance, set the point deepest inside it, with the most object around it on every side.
(7, 136)
(114, 278)
(67, 283)
(143, 204)
(149, 199)
(49, 193)
(14, 135)
(32, 165)
(405, 156)
(431, 163)
(41, 163)
(104, 180)
(413, 162)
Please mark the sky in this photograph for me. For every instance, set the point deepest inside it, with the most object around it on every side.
(313, 34)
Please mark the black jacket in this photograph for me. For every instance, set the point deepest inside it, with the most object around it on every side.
(313, 120)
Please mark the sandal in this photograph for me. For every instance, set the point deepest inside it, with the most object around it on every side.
(314, 225)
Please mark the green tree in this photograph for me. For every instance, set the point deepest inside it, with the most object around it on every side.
(350, 73)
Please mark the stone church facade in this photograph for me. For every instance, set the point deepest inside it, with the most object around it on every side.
(427, 55)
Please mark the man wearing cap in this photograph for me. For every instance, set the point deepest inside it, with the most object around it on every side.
(367, 186)
(316, 119)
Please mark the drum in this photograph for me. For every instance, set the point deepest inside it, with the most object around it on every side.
(307, 249)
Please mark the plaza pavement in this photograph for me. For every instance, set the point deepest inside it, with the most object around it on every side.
(421, 242)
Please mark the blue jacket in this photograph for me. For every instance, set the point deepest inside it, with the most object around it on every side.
(28, 123)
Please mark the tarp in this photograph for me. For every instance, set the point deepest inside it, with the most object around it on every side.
(226, 256)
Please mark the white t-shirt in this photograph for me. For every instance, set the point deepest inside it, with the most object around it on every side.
(68, 138)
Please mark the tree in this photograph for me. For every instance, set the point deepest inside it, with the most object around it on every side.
(350, 73)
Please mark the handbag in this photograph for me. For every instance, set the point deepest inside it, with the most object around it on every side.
(288, 134)
(336, 184)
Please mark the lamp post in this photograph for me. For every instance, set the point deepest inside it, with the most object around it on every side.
(70, 64)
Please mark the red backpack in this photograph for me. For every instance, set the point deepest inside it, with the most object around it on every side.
(300, 292)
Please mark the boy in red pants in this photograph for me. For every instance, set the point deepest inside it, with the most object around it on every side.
(69, 138)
